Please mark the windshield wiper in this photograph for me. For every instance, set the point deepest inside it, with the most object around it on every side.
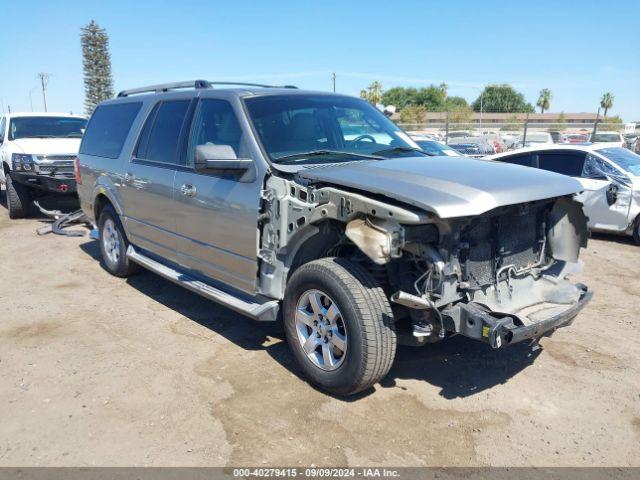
(294, 157)
(74, 135)
(401, 150)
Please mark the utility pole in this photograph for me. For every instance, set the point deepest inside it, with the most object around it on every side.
(526, 125)
(595, 124)
(333, 80)
(44, 79)
(481, 95)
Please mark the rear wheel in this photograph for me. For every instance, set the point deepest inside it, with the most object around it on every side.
(339, 325)
(114, 244)
(18, 199)
(636, 230)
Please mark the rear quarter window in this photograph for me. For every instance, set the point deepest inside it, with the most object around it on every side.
(523, 159)
(108, 129)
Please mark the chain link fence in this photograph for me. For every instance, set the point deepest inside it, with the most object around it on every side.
(498, 137)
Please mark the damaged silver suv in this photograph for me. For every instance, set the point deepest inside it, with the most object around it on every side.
(316, 210)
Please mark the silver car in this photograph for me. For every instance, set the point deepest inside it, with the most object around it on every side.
(314, 209)
(610, 179)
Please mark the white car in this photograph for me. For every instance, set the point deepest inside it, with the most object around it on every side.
(610, 176)
(37, 152)
(612, 139)
(537, 139)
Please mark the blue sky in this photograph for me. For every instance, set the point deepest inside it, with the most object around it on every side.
(578, 49)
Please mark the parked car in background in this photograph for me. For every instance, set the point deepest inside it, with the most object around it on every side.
(259, 199)
(472, 146)
(558, 137)
(37, 151)
(576, 138)
(433, 147)
(613, 139)
(537, 138)
(609, 175)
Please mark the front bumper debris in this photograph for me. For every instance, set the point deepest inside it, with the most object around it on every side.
(472, 321)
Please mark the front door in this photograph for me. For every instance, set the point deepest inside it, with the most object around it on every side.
(148, 181)
(607, 195)
(217, 214)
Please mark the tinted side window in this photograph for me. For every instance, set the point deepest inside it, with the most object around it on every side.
(566, 163)
(108, 129)
(165, 133)
(523, 159)
(143, 141)
(215, 123)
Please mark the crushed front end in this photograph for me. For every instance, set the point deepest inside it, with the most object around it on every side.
(501, 277)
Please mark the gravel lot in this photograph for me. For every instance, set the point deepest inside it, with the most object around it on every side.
(96, 370)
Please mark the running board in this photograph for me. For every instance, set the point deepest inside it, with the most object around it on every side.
(267, 311)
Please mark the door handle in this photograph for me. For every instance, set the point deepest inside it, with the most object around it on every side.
(188, 190)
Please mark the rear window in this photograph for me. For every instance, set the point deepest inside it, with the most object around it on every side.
(108, 129)
(159, 138)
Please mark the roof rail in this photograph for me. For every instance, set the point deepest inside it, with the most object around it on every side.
(243, 84)
(165, 87)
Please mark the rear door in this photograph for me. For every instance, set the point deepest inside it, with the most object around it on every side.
(216, 214)
(148, 180)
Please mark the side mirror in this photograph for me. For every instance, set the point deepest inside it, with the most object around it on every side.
(221, 160)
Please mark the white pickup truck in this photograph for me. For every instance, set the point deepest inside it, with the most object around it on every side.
(37, 151)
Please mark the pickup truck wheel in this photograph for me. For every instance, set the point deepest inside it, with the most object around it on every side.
(636, 230)
(113, 244)
(18, 199)
(339, 325)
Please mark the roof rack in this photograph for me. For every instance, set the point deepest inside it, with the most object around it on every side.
(243, 84)
(197, 84)
(165, 87)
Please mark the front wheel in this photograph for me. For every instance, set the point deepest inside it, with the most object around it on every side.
(636, 230)
(339, 325)
(18, 199)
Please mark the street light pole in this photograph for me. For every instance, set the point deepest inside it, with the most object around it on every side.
(333, 80)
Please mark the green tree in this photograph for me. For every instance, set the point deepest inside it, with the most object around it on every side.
(96, 65)
(375, 93)
(461, 114)
(413, 114)
(502, 99)
(606, 102)
(444, 88)
(544, 100)
(431, 97)
(452, 103)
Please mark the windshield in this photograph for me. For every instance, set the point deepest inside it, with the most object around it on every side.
(625, 159)
(330, 126)
(46, 127)
(606, 137)
(437, 148)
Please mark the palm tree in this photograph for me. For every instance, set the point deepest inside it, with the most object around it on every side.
(606, 102)
(375, 93)
(364, 95)
(544, 99)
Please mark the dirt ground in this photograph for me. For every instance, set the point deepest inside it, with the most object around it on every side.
(96, 370)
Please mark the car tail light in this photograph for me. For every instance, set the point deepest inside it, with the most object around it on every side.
(76, 170)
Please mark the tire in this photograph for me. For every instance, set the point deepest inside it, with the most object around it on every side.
(636, 230)
(114, 244)
(18, 199)
(363, 324)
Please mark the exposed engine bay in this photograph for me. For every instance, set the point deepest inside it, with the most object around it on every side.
(499, 277)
